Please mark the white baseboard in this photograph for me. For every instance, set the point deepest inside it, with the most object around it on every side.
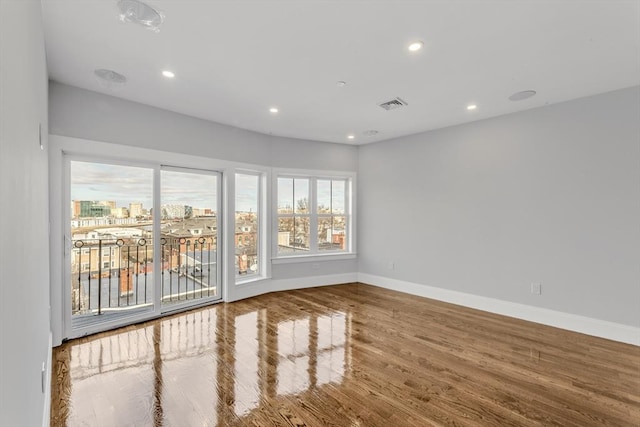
(249, 290)
(46, 413)
(572, 322)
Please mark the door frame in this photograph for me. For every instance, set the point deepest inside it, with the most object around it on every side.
(63, 147)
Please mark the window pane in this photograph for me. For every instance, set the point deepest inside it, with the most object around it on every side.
(285, 195)
(301, 194)
(339, 237)
(188, 195)
(247, 224)
(286, 235)
(111, 232)
(301, 240)
(189, 231)
(324, 196)
(338, 196)
(293, 234)
(324, 233)
(332, 233)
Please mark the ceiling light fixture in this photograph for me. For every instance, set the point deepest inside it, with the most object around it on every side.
(168, 74)
(341, 83)
(351, 137)
(109, 79)
(415, 46)
(519, 96)
(472, 107)
(273, 110)
(140, 13)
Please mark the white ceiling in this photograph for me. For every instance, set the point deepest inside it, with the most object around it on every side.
(235, 59)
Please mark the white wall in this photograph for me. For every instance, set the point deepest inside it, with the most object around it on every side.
(550, 195)
(85, 114)
(24, 249)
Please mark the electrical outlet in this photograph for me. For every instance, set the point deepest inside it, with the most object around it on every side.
(391, 265)
(536, 288)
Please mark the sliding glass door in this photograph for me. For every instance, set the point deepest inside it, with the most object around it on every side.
(142, 240)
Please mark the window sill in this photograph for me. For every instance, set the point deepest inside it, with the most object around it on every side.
(313, 258)
(240, 280)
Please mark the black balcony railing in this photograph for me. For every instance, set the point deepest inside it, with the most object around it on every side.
(108, 275)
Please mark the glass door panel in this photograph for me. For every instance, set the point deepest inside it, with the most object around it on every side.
(189, 208)
(111, 256)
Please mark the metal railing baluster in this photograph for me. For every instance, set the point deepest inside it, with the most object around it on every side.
(99, 277)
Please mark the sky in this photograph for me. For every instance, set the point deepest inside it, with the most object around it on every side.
(129, 184)
(330, 193)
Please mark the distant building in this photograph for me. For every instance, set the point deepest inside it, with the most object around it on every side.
(101, 222)
(172, 211)
(176, 211)
(135, 209)
(120, 212)
(91, 208)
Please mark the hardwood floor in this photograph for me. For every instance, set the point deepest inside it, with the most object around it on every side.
(347, 355)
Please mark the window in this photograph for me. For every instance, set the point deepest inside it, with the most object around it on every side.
(248, 223)
(294, 219)
(313, 215)
(331, 214)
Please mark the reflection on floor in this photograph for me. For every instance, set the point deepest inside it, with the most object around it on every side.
(348, 355)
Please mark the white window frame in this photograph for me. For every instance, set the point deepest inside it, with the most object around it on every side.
(263, 228)
(314, 254)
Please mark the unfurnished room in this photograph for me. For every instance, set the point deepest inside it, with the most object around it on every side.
(312, 213)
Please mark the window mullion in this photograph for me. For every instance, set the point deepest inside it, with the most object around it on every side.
(313, 216)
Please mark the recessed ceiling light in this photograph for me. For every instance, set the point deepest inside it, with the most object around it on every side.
(351, 136)
(273, 110)
(519, 96)
(416, 46)
(341, 83)
(110, 79)
(168, 74)
(471, 107)
(371, 132)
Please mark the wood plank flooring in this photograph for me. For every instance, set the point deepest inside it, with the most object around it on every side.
(347, 355)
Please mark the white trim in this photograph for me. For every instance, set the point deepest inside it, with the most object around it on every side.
(572, 322)
(253, 289)
(263, 229)
(335, 256)
(46, 413)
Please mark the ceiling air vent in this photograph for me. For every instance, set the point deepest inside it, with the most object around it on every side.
(393, 104)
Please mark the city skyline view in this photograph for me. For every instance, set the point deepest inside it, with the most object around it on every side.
(132, 184)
